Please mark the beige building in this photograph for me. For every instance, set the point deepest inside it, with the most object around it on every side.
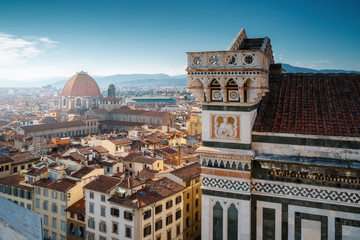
(76, 226)
(14, 188)
(84, 125)
(51, 198)
(5, 165)
(189, 177)
(117, 147)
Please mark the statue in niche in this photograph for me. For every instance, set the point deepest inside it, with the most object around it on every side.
(225, 127)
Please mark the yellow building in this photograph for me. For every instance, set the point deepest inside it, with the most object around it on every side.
(194, 124)
(76, 226)
(51, 198)
(189, 177)
(14, 188)
(5, 166)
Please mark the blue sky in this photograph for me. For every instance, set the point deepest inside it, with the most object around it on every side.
(40, 39)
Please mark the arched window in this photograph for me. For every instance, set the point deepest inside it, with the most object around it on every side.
(232, 91)
(247, 90)
(64, 102)
(232, 222)
(72, 229)
(217, 222)
(94, 102)
(215, 91)
(78, 102)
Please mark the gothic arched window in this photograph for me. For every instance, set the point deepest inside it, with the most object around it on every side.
(217, 222)
(215, 91)
(247, 90)
(232, 222)
(232, 91)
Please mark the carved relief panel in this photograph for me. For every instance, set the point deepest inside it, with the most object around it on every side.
(225, 126)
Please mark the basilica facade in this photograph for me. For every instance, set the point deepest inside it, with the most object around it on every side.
(280, 155)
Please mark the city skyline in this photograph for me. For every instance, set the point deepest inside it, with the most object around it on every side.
(59, 38)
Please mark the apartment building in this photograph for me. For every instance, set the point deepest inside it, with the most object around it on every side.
(189, 177)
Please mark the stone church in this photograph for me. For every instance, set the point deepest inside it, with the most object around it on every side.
(280, 155)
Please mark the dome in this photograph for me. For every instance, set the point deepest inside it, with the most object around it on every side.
(81, 84)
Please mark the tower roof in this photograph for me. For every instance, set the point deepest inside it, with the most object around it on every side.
(81, 84)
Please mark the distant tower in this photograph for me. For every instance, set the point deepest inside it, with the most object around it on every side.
(111, 90)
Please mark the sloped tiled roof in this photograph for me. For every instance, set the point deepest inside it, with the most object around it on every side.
(103, 184)
(49, 126)
(188, 172)
(317, 104)
(82, 172)
(78, 207)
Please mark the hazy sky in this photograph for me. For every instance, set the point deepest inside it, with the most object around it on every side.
(58, 38)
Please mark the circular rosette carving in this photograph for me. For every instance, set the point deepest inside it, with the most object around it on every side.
(225, 126)
(197, 61)
(231, 60)
(214, 60)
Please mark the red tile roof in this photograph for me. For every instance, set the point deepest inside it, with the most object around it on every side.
(15, 181)
(82, 172)
(61, 185)
(78, 207)
(103, 184)
(317, 104)
(50, 126)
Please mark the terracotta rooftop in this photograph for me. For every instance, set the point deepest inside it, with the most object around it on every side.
(77, 156)
(81, 84)
(82, 172)
(99, 110)
(188, 172)
(143, 159)
(61, 185)
(154, 191)
(103, 184)
(50, 126)
(130, 182)
(36, 171)
(4, 159)
(121, 141)
(23, 157)
(78, 207)
(317, 104)
(131, 157)
(100, 149)
(14, 180)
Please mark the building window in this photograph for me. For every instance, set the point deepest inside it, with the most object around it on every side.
(63, 197)
(45, 205)
(78, 102)
(115, 228)
(187, 222)
(115, 212)
(45, 192)
(128, 215)
(102, 211)
(196, 216)
(54, 207)
(63, 210)
(158, 225)
(46, 219)
(15, 169)
(72, 229)
(53, 236)
(15, 192)
(37, 190)
(169, 220)
(147, 214)
(188, 194)
(54, 194)
(102, 227)
(128, 232)
(158, 209)
(169, 204)
(169, 235)
(102, 197)
(54, 222)
(232, 222)
(188, 207)
(178, 230)
(217, 222)
(147, 231)
(178, 200)
(62, 226)
(178, 215)
(91, 223)
(91, 195)
(197, 202)
(37, 203)
(91, 207)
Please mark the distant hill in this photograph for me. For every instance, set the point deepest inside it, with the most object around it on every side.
(142, 80)
(292, 69)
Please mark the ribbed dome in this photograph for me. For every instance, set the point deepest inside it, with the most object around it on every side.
(81, 84)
